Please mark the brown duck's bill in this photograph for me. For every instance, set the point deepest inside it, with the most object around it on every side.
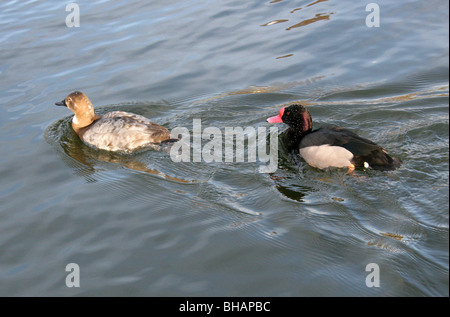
(61, 103)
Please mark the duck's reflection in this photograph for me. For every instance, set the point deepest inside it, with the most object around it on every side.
(287, 179)
(291, 194)
(91, 159)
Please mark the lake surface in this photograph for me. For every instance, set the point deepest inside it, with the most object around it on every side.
(145, 225)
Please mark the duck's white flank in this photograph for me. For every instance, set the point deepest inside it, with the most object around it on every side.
(323, 156)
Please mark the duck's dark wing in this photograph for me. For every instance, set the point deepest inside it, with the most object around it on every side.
(337, 136)
(364, 150)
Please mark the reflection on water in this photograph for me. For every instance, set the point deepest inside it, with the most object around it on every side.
(284, 56)
(316, 18)
(274, 22)
(60, 134)
(433, 92)
(265, 90)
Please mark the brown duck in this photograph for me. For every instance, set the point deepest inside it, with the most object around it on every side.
(114, 131)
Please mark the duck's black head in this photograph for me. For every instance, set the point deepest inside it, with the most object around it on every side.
(296, 116)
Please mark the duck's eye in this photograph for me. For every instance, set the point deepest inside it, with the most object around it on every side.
(288, 113)
(69, 99)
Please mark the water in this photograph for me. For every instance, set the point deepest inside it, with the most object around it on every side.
(145, 225)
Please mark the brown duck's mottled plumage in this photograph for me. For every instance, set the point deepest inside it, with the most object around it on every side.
(114, 131)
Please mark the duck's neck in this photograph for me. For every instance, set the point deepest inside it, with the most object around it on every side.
(82, 121)
(293, 138)
(297, 130)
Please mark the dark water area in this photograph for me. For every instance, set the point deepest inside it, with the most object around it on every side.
(144, 225)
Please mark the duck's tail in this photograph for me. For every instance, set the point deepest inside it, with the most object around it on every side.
(384, 162)
(170, 141)
(396, 162)
(378, 159)
(166, 145)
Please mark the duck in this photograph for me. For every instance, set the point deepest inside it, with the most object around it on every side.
(116, 131)
(331, 145)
